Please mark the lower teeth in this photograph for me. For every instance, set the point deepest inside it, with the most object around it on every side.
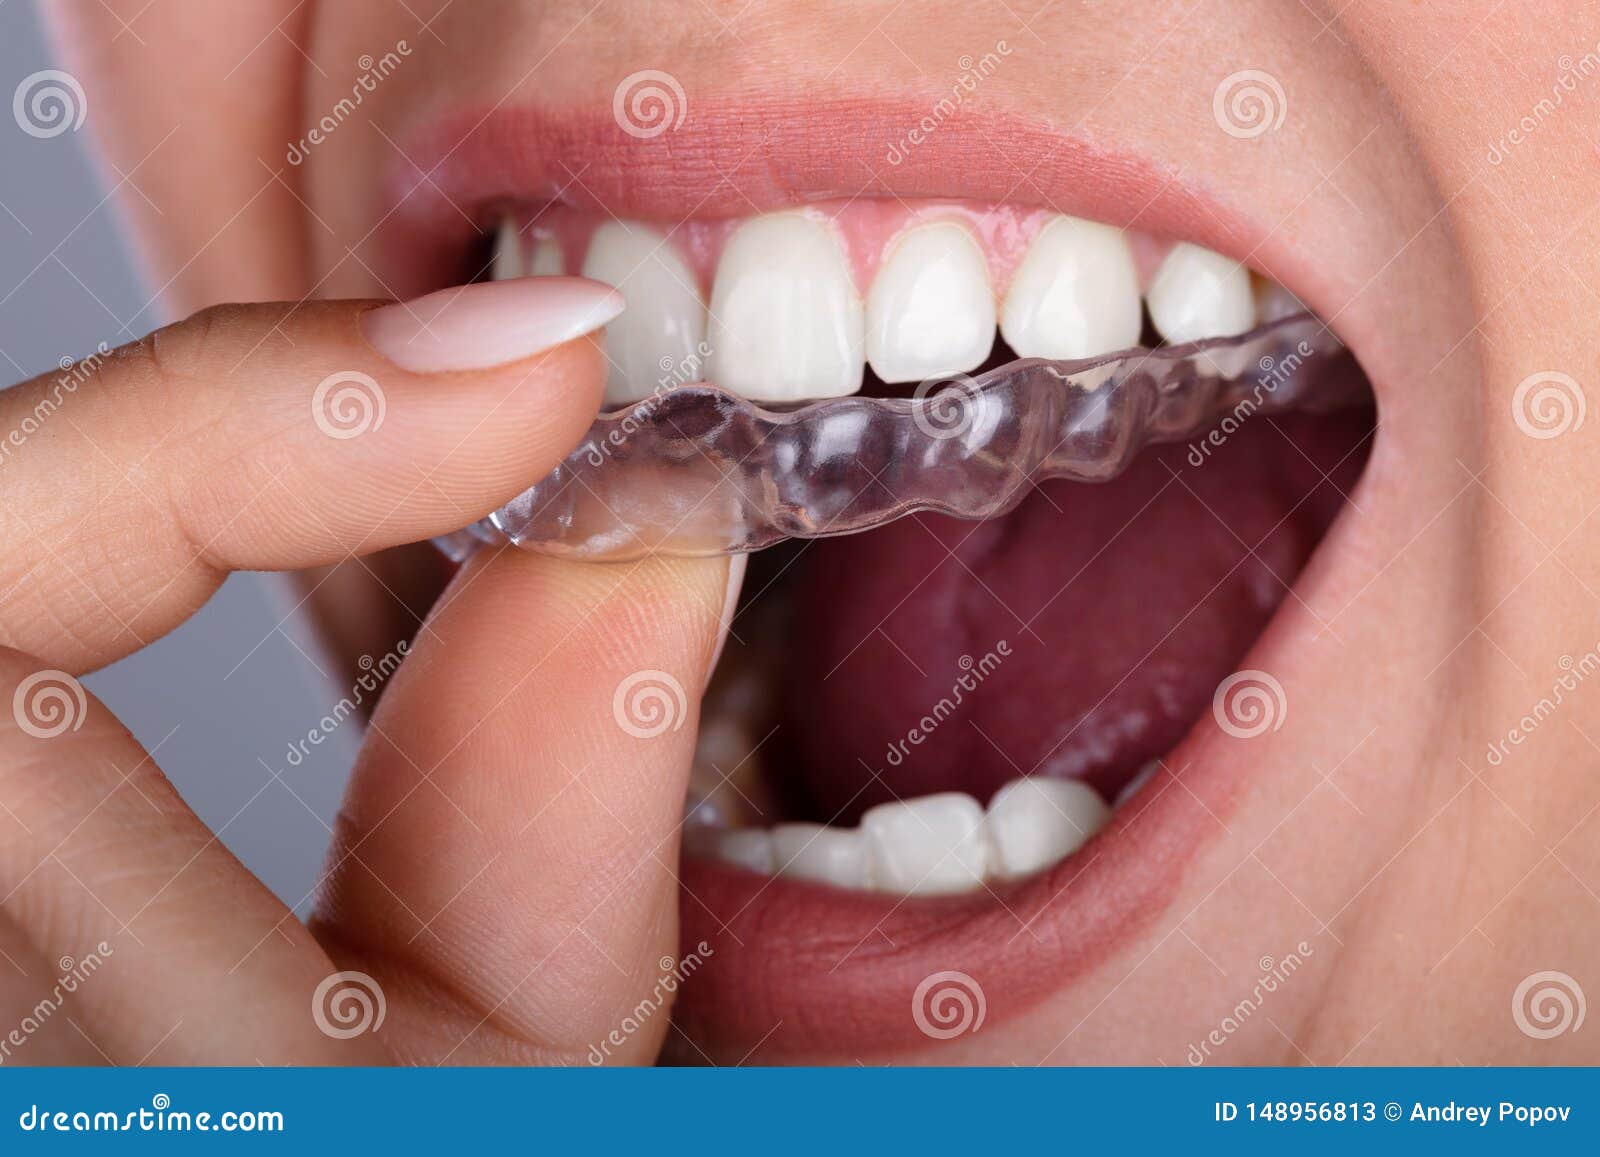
(695, 471)
(933, 845)
(939, 844)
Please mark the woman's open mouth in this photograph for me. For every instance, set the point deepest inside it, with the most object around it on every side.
(945, 766)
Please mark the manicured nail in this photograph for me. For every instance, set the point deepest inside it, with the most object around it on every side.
(472, 327)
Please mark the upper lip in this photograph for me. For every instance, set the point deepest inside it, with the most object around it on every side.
(449, 178)
(826, 958)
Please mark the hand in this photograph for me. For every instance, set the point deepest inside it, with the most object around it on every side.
(503, 867)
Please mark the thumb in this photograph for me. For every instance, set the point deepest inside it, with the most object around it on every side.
(274, 437)
(505, 861)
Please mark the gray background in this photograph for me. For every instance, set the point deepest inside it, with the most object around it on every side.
(219, 700)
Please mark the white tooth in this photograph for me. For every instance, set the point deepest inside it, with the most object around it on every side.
(1075, 295)
(665, 321)
(507, 252)
(1273, 301)
(547, 259)
(1196, 294)
(786, 322)
(934, 844)
(835, 856)
(1034, 822)
(747, 847)
(931, 311)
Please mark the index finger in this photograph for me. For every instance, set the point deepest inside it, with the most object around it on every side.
(272, 437)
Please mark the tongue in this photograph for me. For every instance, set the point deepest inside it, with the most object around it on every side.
(1079, 636)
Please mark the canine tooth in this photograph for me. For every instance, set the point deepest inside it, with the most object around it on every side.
(926, 846)
(1197, 293)
(1034, 822)
(507, 252)
(748, 848)
(930, 311)
(835, 856)
(1075, 295)
(665, 321)
(786, 322)
(547, 260)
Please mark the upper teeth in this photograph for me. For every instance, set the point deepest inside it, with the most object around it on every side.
(932, 845)
(787, 321)
(665, 323)
(931, 311)
(507, 252)
(1076, 294)
(1198, 294)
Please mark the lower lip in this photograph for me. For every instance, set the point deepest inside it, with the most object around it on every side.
(795, 971)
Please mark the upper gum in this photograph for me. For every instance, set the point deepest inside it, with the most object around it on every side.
(865, 227)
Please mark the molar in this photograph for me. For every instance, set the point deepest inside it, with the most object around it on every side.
(1273, 301)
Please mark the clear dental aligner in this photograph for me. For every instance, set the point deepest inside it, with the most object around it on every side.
(695, 471)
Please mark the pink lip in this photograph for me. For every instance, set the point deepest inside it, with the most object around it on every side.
(747, 157)
(801, 971)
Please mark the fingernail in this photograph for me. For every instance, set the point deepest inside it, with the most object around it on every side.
(472, 327)
(730, 605)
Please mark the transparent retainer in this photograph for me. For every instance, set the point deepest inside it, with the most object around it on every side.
(696, 471)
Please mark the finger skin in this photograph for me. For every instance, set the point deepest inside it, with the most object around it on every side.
(505, 860)
(178, 955)
(141, 478)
